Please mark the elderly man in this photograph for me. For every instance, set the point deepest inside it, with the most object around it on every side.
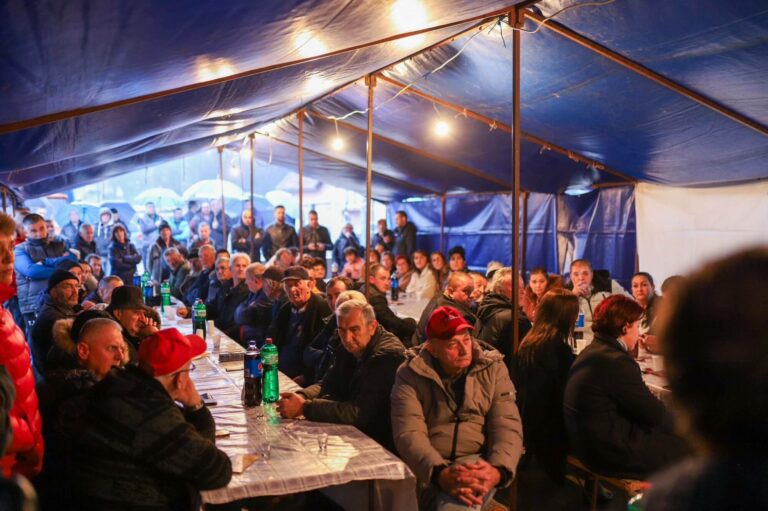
(246, 237)
(320, 352)
(454, 418)
(495, 313)
(457, 294)
(317, 239)
(590, 295)
(279, 235)
(297, 322)
(405, 236)
(84, 241)
(59, 303)
(254, 315)
(356, 388)
(97, 348)
(232, 293)
(134, 447)
(180, 269)
(35, 262)
(70, 229)
(282, 259)
(198, 288)
(378, 281)
(138, 320)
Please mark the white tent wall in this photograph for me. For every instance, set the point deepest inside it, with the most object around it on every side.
(678, 229)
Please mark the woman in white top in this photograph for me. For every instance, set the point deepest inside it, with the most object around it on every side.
(423, 280)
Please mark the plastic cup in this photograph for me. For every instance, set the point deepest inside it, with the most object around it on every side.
(322, 443)
(657, 363)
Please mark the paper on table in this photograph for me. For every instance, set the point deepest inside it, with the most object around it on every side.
(243, 461)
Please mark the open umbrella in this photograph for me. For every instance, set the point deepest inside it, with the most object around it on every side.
(211, 189)
(124, 209)
(89, 211)
(165, 199)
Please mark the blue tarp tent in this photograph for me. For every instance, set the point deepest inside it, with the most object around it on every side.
(611, 95)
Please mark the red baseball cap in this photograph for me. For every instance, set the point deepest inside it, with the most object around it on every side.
(445, 322)
(167, 351)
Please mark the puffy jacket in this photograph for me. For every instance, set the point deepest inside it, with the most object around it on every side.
(356, 391)
(25, 454)
(430, 431)
(35, 262)
(123, 259)
(278, 236)
(179, 230)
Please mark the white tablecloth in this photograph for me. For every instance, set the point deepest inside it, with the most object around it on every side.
(353, 459)
(409, 306)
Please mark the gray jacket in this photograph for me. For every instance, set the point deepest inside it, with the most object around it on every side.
(430, 431)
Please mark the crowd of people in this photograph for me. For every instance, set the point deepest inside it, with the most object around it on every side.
(100, 410)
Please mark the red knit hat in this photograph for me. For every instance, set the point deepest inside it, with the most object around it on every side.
(445, 322)
(167, 351)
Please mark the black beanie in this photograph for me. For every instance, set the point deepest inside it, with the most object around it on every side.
(60, 276)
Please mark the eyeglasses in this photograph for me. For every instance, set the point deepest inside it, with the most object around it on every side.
(191, 367)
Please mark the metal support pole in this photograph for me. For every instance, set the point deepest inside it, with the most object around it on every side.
(442, 223)
(251, 142)
(516, 136)
(524, 249)
(301, 181)
(371, 82)
(223, 207)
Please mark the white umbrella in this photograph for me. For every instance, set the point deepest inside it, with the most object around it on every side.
(211, 189)
(164, 198)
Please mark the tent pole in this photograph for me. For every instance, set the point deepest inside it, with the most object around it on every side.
(5, 200)
(251, 140)
(301, 182)
(524, 249)
(223, 209)
(442, 223)
(370, 80)
(519, 20)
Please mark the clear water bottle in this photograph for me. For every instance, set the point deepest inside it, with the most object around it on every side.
(199, 314)
(252, 374)
(270, 381)
(395, 288)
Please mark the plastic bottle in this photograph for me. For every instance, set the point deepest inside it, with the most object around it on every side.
(269, 361)
(252, 374)
(137, 279)
(165, 293)
(146, 287)
(199, 314)
(395, 288)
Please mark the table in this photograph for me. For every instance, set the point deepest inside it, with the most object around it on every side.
(656, 383)
(408, 306)
(355, 471)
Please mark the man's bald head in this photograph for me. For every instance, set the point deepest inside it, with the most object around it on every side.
(459, 288)
(100, 346)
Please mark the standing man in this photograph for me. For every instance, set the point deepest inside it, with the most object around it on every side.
(71, 228)
(279, 235)
(405, 236)
(454, 418)
(246, 237)
(317, 239)
(103, 234)
(346, 239)
(36, 260)
(217, 224)
(383, 236)
(179, 227)
(25, 453)
(84, 242)
(149, 223)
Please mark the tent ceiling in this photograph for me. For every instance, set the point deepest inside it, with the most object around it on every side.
(80, 55)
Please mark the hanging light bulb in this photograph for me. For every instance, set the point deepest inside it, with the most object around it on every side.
(442, 128)
(337, 143)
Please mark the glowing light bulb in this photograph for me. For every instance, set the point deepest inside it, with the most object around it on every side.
(442, 128)
(337, 143)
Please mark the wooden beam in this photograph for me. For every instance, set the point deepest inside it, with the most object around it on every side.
(507, 128)
(439, 159)
(646, 72)
(69, 114)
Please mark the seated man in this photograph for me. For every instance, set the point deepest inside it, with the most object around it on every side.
(297, 322)
(457, 294)
(180, 268)
(319, 354)
(582, 277)
(254, 315)
(232, 293)
(138, 321)
(133, 446)
(403, 328)
(198, 288)
(495, 314)
(454, 418)
(717, 364)
(98, 348)
(59, 302)
(103, 295)
(356, 388)
(615, 425)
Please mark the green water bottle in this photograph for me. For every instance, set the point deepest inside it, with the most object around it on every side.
(269, 363)
(165, 293)
(199, 314)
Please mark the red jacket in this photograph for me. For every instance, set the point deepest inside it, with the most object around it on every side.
(25, 454)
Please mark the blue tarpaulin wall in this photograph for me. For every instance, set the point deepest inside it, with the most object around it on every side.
(599, 226)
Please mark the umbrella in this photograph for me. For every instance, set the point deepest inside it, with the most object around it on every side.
(124, 209)
(165, 199)
(89, 211)
(211, 189)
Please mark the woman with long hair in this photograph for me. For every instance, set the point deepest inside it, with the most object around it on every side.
(538, 284)
(440, 266)
(424, 278)
(644, 293)
(540, 372)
